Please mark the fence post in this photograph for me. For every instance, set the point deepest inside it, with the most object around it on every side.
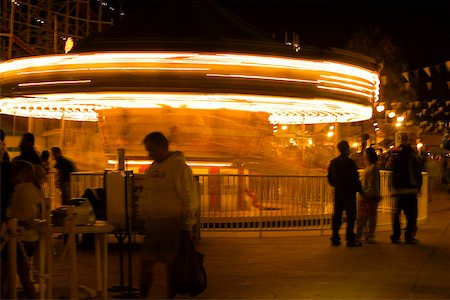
(49, 254)
(73, 276)
(12, 257)
(322, 204)
(260, 193)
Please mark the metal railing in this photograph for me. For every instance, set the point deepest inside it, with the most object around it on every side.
(264, 202)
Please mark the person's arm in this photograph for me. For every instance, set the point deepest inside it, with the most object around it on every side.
(330, 175)
(358, 185)
(184, 185)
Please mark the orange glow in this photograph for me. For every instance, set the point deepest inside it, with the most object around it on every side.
(189, 163)
(291, 90)
(55, 82)
(283, 110)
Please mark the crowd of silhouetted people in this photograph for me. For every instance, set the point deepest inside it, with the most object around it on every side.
(22, 198)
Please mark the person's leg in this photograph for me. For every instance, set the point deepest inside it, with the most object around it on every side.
(396, 230)
(372, 220)
(337, 221)
(145, 277)
(361, 221)
(65, 193)
(351, 218)
(23, 270)
(171, 278)
(411, 217)
(4, 277)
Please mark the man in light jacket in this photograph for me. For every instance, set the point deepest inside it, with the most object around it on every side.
(168, 207)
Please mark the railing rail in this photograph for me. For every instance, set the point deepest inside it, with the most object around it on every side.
(264, 202)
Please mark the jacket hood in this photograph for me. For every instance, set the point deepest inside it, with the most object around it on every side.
(177, 155)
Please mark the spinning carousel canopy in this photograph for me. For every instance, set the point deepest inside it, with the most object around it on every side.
(189, 54)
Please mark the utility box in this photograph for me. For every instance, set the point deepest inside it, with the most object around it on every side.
(119, 198)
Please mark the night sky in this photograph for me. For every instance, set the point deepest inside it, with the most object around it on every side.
(420, 29)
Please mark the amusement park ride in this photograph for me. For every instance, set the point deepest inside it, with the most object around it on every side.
(215, 85)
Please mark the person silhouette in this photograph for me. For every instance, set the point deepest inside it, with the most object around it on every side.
(343, 176)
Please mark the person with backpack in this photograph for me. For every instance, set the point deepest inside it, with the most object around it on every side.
(407, 182)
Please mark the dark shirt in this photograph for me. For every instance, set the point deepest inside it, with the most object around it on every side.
(30, 156)
(64, 167)
(406, 169)
(343, 175)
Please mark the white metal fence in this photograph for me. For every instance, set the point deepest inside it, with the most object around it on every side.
(263, 202)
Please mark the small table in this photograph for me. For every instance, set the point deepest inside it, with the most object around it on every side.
(101, 230)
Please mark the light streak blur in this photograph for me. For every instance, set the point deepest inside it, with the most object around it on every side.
(315, 91)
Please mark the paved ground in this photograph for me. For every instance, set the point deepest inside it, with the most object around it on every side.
(303, 265)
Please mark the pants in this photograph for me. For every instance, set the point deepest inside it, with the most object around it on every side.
(407, 203)
(65, 193)
(367, 220)
(347, 202)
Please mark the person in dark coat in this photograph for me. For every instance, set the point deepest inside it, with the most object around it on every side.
(343, 176)
(64, 167)
(407, 182)
(28, 153)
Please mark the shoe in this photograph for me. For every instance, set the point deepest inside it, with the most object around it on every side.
(354, 244)
(335, 243)
(395, 240)
(412, 241)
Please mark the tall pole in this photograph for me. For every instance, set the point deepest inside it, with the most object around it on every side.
(11, 30)
(336, 135)
(55, 34)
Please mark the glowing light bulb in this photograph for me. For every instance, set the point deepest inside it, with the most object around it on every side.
(330, 133)
(419, 145)
(398, 124)
(332, 127)
(400, 119)
(284, 127)
(391, 114)
(310, 142)
(380, 108)
(355, 144)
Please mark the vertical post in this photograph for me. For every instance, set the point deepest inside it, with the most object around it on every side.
(88, 18)
(121, 159)
(98, 253)
(73, 276)
(30, 124)
(61, 133)
(104, 253)
(49, 254)
(322, 193)
(260, 194)
(14, 125)
(11, 30)
(42, 264)
(100, 18)
(303, 140)
(12, 256)
(55, 34)
(336, 136)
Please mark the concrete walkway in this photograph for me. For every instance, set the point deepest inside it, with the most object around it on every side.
(303, 265)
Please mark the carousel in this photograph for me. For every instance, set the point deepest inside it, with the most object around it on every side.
(214, 84)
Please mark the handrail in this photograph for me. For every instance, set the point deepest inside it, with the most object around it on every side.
(266, 202)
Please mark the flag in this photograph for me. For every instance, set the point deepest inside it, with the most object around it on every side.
(406, 75)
